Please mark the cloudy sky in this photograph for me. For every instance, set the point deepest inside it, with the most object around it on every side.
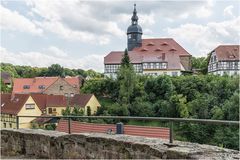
(78, 34)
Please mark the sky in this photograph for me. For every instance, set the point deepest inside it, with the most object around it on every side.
(78, 34)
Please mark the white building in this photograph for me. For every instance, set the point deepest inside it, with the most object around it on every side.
(224, 60)
(149, 56)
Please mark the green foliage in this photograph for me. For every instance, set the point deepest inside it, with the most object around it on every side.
(5, 88)
(17, 71)
(200, 63)
(127, 79)
(125, 60)
(202, 96)
(55, 70)
(88, 111)
(50, 126)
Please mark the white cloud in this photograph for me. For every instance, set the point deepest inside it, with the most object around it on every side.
(227, 12)
(52, 55)
(77, 23)
(204, 11)
(12, 20)
(204, 38)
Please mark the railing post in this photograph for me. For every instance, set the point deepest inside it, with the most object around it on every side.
(69, 125)
(171, 133)
(17, 122)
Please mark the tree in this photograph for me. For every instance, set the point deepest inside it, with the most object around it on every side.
(141, 108)
(88, 111)
(126, 77)
(200, 63)
(231, 107)
(55, 70)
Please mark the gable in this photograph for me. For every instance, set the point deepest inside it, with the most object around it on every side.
(33, 112)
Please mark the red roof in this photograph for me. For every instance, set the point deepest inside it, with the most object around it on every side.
(34, 83)
(227, 52)
(152, 50)
(12, 104)
(80, 100)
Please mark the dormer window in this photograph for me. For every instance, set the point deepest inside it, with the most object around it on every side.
(164, 43)
(144, 49)
(41, 87)
(26, 87)
(150, 44)
(172, 49)
(232, 56)
(158, 49)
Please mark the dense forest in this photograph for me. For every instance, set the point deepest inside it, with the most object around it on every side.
(191, 96)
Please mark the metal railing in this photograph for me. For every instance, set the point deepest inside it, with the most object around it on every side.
(165, 119)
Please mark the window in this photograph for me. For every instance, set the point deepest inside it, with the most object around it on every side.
(41, 87)
(54, 109)
(30, 106)
(4, 125)
(10, 125)
(72, 94)
(61, 88)
(26, 87)
(49, 110)
(66, 94)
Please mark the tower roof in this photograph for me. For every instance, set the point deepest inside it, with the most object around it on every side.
(134, 27)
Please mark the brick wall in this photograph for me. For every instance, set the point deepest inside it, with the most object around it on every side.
(56, 88)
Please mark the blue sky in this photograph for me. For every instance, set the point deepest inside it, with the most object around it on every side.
(78, 34)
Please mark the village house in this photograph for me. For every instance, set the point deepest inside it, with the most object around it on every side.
(224, 60)
(68, 86)
(41, 104)
(149, 56)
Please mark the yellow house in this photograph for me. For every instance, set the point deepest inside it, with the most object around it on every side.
(84, 101)
(41, 104)
(18, 105)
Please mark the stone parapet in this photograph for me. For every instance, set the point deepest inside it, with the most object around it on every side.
(38, 143)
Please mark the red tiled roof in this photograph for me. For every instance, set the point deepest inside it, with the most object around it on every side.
(164, 43)
(227, 52)
(12, 104)
(44, 100)
(80, 100)
(152, 50)
(34, 83)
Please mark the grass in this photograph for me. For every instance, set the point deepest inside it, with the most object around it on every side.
(105, 101)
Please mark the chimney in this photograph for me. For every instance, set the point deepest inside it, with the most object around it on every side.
(163, 56)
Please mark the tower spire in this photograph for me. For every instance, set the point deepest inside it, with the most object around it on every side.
(134, 16)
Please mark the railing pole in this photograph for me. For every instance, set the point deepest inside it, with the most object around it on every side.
(17, 122)
(69, 125)
(171, 133)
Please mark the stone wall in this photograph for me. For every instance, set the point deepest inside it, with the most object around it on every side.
(27, 143)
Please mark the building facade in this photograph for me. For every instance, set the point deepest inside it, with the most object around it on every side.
(159, 56)
(224, 60)
(41, 104)
(68, 86)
